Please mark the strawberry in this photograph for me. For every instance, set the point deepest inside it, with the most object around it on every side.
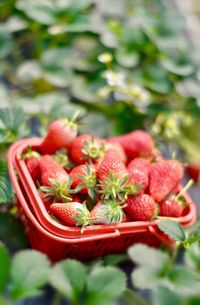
(32, 159)
(171, 208)
(141, 207)
(60, 135)
(137, 143)
(164, 176)
(193, 171)
(86, 148)
(84, 179)
(107, 212)
(139, 169)
(71, 214)
(174, 206)
(113, 176)
(118, 149)
(55, 180)
(62, 159)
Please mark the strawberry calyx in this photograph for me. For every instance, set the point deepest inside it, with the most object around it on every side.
(118, 188)
(59, 190)
(29, 153)
(89, 181)
(71, 124)
(109, 212)
(84, 217)
(62, 159)
(93, 149)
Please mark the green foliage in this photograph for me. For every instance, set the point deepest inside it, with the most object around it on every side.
(29, 272)
(132, 63)
(5, 185)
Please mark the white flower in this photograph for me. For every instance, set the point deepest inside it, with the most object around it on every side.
(115, 79)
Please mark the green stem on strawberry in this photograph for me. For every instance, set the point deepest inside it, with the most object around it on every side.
(184, 190)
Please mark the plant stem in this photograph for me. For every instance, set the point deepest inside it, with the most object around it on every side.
(56, 299)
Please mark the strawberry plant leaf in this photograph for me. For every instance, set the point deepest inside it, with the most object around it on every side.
(103, 282)
(115, 259)
(68, 277)
(148, 257)
(164, 296)
(11, 232)
(4, 267)
(29, 273)
(6, 193)
(192, 257)
(173, 229)
(130, 297)
(12, 118)
(146, 278)
(184, 281)
(191, 240)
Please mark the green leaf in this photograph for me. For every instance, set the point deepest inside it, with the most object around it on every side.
(5, 41)
(173, 67)
(109, 282)
(68, 277)
(173, 229)
(164, 296)
(42, 11)
(127, 59)
(115, 259)
(146, 278)
(4, 267)
(148, 257)
(191, 240)
(192, 257)
(29, 273)
(184, 281)
(12, 233)
(12, 118)
(130, 297)
(6, 193)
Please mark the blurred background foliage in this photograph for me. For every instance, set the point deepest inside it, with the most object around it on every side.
(123, 64)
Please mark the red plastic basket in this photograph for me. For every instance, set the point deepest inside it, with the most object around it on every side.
(59, 241)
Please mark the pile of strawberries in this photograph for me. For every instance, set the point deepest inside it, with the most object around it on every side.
(84, 180)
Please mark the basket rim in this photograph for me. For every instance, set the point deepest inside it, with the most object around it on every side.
(14, 161)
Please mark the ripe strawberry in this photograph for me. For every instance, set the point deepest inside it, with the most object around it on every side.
(171, 208)
(111, 163)
(107, 213)
(137, 143)
(174, 206)
(193, 171)
(139, 169)
(141, 207)
(113, 176)
(118, 149)
(84, 179)
(60, 135)
(55, 180)
(71, 214)
(85, 148)
(32, 159)
(163, 178)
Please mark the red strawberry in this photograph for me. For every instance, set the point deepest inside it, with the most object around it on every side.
(84, 178)
(164, 177)
(107, 213)
(141, 207)
(139, 169)
(113, 176)
(71, 214)
(55, 180)
(111, 163)
(32, 159)
(174, 206)
(118, 149)
(85, 148)
(193, 171)
(137, 143)
(60, 135)
(171, 208)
